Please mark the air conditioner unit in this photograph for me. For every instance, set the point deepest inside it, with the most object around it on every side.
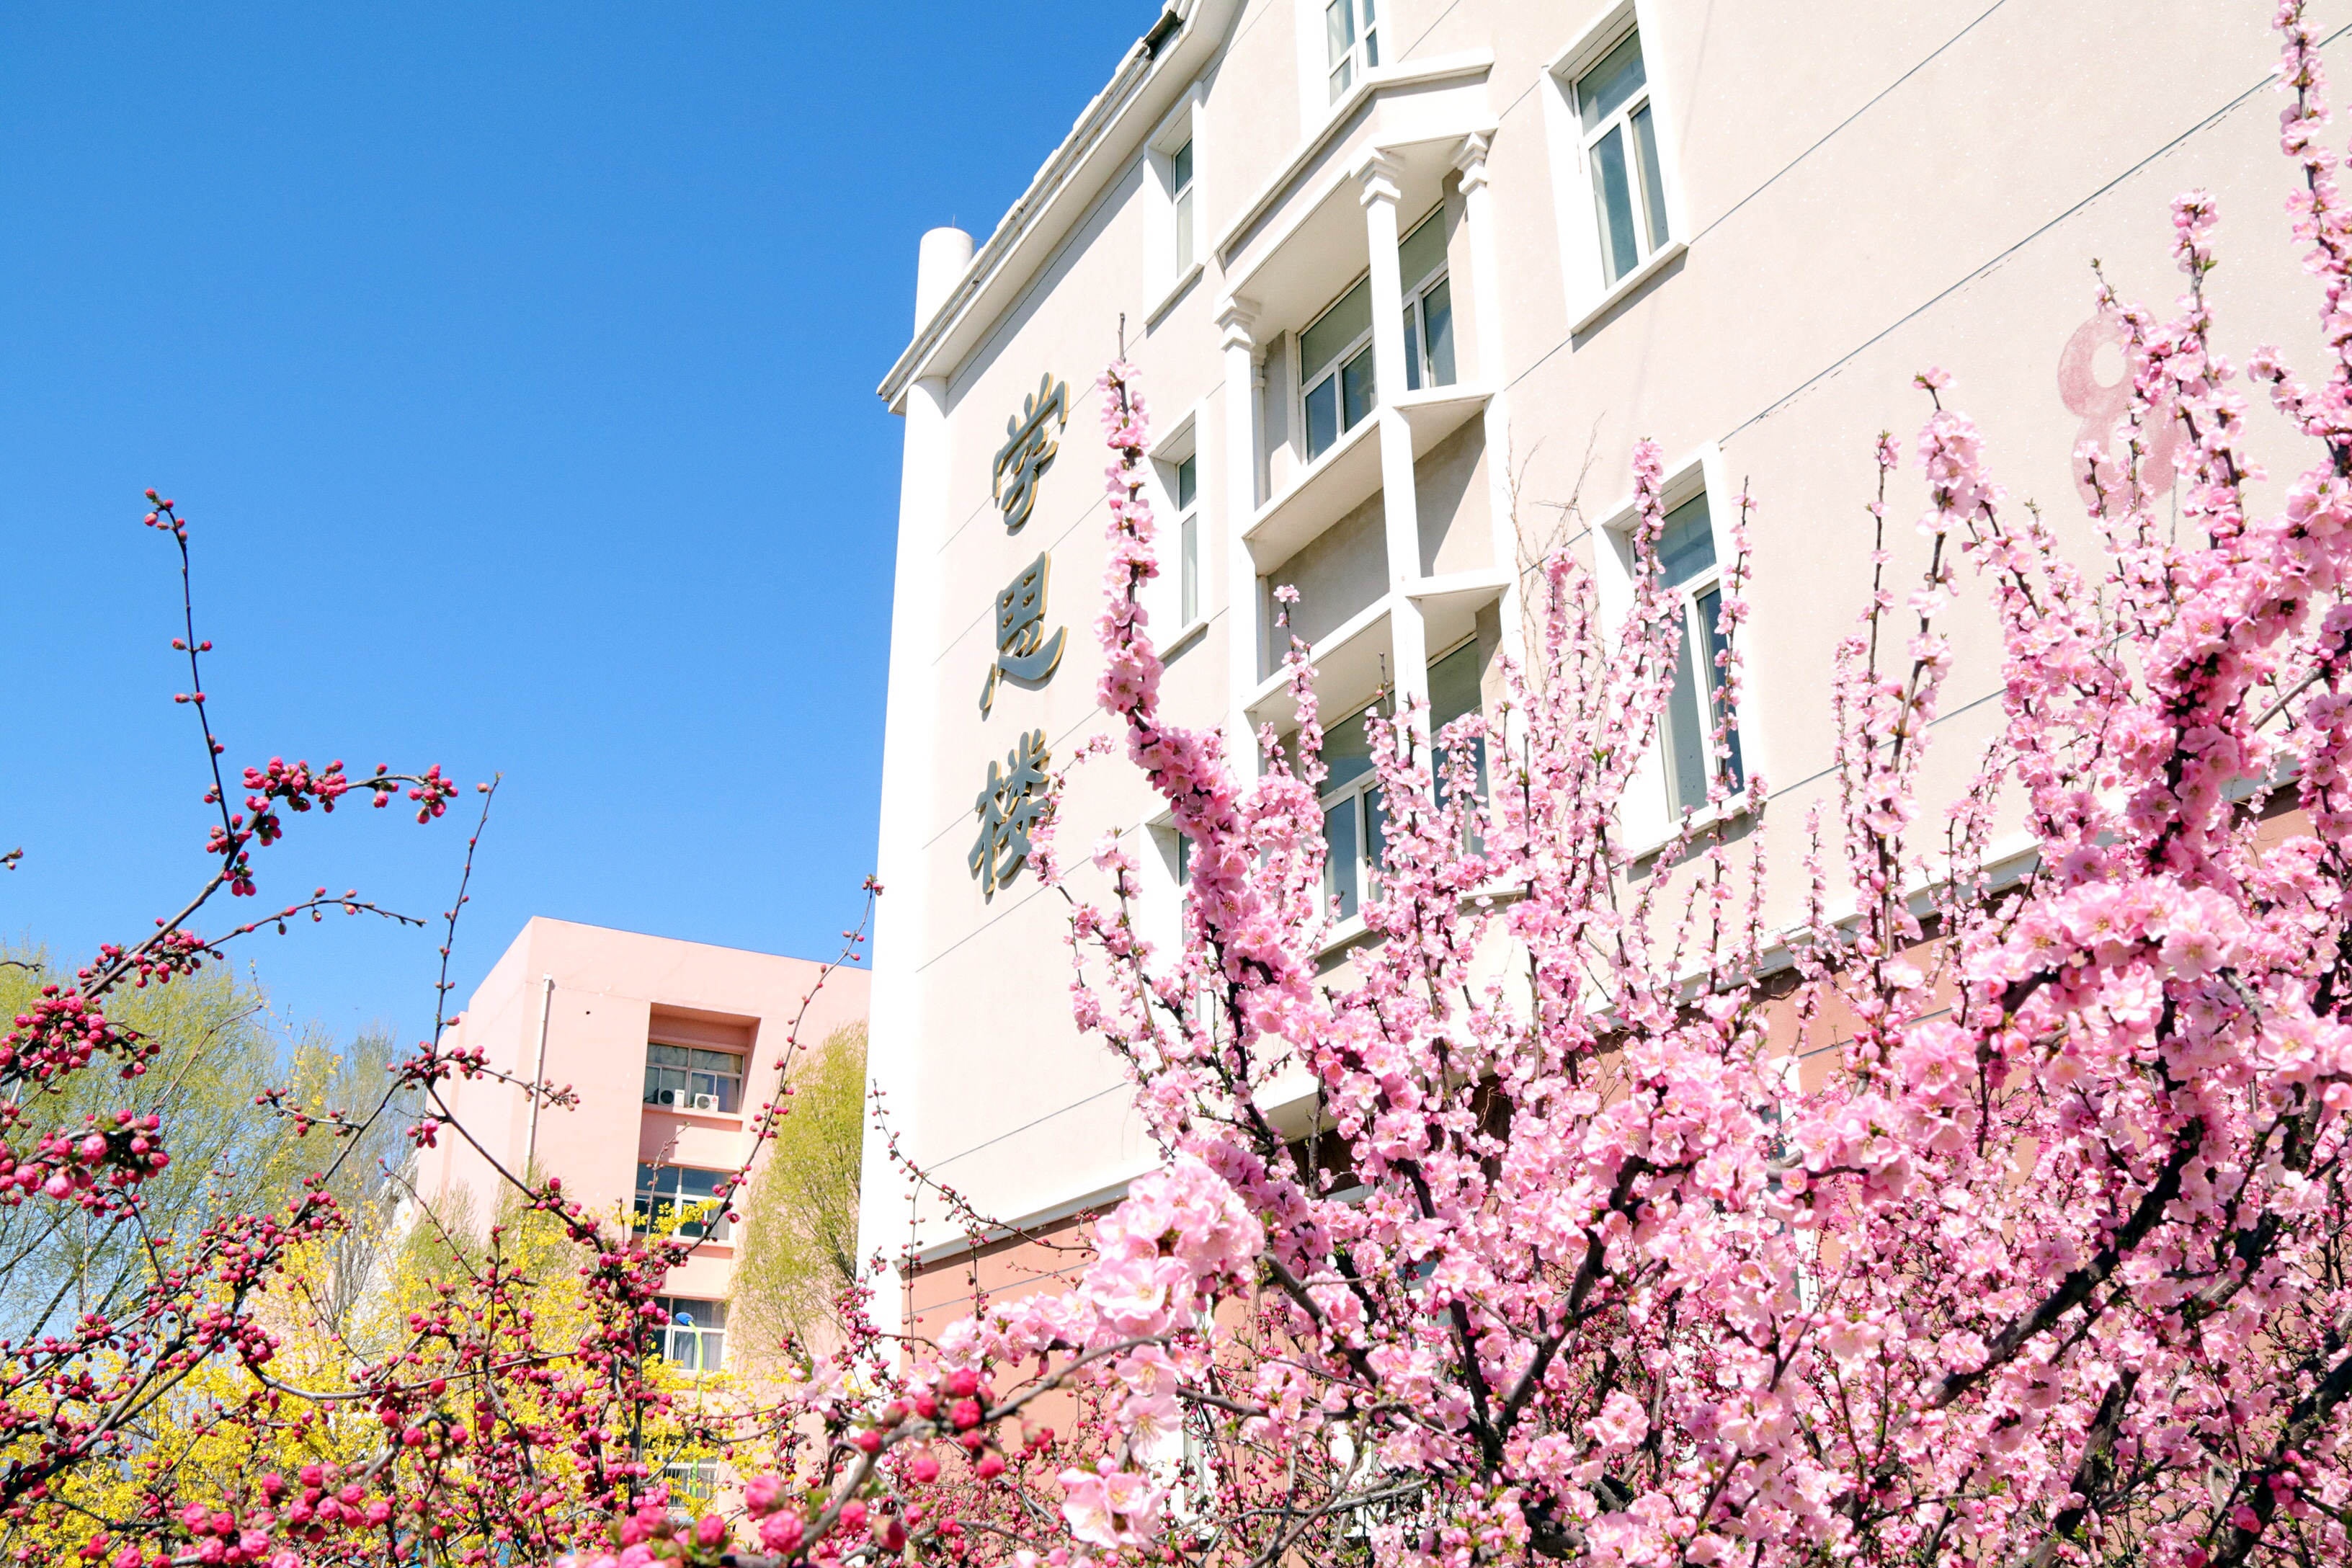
(706, 1102)
(672, 1097)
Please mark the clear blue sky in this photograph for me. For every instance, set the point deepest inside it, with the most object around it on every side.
(515, 363)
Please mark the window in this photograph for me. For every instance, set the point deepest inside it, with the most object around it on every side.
(1188, 542)
(1355, 819)
(694, 1338)
(1180, 185)
(691, 1480)
(1351, 36)
(685, 1079)
(677, 1200)
(1694, 706)
(1335, 365)
(1453, 693)
(1620, 158)
(1428, 305)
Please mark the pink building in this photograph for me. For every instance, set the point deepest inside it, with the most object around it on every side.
(671, 1046)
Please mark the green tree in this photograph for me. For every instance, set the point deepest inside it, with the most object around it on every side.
(800, 1246)
(219, 1050)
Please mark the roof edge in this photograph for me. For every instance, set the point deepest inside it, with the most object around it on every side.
(1182, 32)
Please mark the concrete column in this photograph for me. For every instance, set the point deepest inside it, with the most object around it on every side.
(1486, 311)
(1245, 656)
(909, 811)
(1376, 183)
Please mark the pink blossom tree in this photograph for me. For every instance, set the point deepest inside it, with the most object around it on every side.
(2049, 1266)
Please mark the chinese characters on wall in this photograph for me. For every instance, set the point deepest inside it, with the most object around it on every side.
(1028, 450)
(1023, 649)
(1014, 798)
(1009, 805)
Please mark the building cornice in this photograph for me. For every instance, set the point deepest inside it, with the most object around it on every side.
(1164, 60)
(1372, 84)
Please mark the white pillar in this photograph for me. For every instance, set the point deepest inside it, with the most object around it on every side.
(1246, 656)
(895, 1022)
(1486, 311)
(1377, 178)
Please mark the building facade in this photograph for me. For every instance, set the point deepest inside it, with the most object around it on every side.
(1404, 283)
(671, 1047)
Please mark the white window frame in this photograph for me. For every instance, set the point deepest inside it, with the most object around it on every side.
(1364, 22)
(713, 1227)
(702, 1332)
(1361, 344)
(1646, 815)
(1176, 627)
(1170, 269)
(1592, 294)
(689, 1076)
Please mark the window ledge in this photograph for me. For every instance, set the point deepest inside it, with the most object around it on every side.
(1733, 808)
(1176, 290)
(731, 1119)
(1184, 640)
(1625, 287)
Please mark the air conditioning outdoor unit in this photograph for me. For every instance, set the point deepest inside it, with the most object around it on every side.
(706, 1102)
(672, 1097)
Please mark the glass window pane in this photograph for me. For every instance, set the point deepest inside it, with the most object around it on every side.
(1347, 751)
(665, 1056)
(1376, 824)
(1687, 540)
(1686, 740)
(1653, 184)
(1322, 415)
(1339, 856)
(1602, 91)
(1359, 391)
(1612, 199)
(1437, 327)
(1453, 687)
(1184, 230)
(1338, 31)
(1423, 252)
(1180, 167)
(1187, 608)
(1188, 474)
(1411, 348)
(1350, 318)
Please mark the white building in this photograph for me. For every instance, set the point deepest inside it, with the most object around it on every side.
(1404, 283)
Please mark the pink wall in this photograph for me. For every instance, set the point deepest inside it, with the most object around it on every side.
(613, 992)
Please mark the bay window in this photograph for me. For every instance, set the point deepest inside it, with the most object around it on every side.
(1334, 366)
(1355, 817)
(1428, 305)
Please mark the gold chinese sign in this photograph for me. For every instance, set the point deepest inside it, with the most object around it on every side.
(1013, 801)
(1028, 450)
(1023, 649)
(1009, 805)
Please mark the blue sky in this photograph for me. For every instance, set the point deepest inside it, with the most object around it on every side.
(515, 364)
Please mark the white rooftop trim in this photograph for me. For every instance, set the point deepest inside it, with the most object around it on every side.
(1167, 57)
